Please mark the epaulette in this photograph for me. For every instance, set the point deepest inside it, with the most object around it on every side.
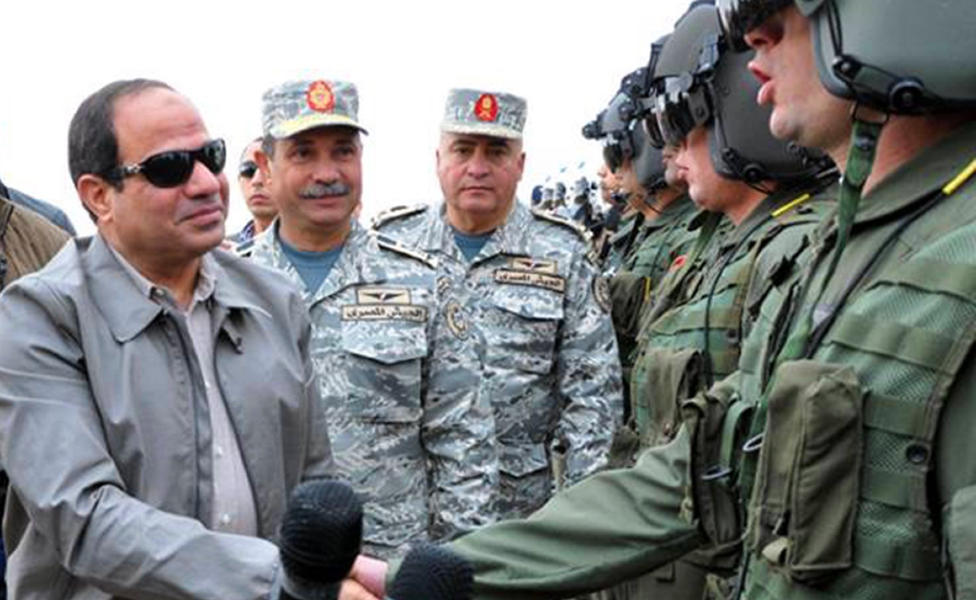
(581, 231)
(395, 213)
(388, 243)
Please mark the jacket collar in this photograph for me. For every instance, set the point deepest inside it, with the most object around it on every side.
(128, 307)
(932, 169)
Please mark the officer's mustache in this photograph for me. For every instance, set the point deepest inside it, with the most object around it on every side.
(323, 190)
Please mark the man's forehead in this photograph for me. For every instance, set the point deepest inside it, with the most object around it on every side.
(157, 119)
(331, 134)
(475, 139)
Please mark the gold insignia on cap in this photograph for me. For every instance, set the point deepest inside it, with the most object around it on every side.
(486, 108)
(320, 97)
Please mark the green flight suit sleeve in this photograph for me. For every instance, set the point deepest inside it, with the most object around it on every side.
(608, 528)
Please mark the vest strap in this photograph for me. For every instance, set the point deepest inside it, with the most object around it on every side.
(899, 490)
(893, 340)
(882, 557)
(895, 415)
(956, 280)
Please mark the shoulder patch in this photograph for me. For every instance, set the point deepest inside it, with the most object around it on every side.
(396, 213)
(388, 243)
(581, 231)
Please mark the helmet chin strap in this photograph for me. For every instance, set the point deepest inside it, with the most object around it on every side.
(860, 161)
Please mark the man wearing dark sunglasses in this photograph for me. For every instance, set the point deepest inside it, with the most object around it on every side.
(157, 399)
(411, 438)
(257, 198)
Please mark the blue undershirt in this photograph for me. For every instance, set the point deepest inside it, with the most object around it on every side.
(471, 245)
(312, 267)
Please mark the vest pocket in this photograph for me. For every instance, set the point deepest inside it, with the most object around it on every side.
(662, 379)
(804, 503)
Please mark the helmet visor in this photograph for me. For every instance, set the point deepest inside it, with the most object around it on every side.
(739, 17)
(681, 108)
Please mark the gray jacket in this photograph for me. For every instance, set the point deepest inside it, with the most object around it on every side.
(105, 434)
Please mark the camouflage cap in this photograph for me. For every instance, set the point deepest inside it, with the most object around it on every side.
(296, 106)
(484, 113)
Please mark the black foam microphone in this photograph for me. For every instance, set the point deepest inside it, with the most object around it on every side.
(321, 536)
(433, 573)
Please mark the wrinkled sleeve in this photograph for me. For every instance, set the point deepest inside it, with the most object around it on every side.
(609, 528)
(589, 378)
(458, 433)
(60, 468)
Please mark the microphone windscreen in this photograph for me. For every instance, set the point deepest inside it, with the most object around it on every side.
(433, 573)
(321, 533)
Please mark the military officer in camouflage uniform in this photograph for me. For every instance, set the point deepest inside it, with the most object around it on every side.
(853, 466)
(520, 286)
(407, 432)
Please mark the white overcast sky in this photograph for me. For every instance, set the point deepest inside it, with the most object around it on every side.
(566, 58)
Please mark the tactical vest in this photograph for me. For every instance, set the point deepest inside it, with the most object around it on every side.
(842, 503)
(904, 333)
(698, 341)
(655, 249)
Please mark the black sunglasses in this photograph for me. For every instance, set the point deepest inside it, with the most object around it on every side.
(174, 167)
(247, 169)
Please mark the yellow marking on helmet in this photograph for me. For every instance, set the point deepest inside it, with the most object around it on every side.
(960, 179)
(782, 210)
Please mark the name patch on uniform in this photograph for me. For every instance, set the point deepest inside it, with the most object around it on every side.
(382, 295)
(535, 265)
(384, 312)
(553, 283)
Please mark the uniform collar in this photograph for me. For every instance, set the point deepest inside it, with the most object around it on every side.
(353, 266)
(508, 239)
(678, 209)
(765, 209)
(915, 180)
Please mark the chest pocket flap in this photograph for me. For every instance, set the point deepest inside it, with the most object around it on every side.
(387, 342)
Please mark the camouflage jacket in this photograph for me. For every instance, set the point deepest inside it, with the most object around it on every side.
(531, 305)
(407, 431)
